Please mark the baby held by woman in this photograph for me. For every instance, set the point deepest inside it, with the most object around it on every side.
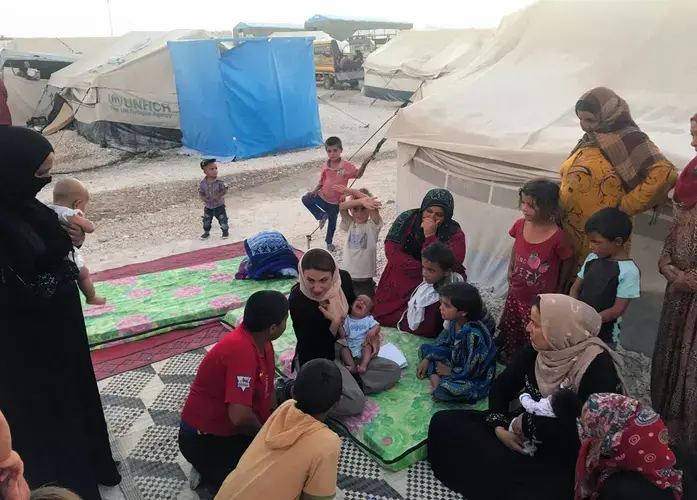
(564, 404)
(70, 198)
(357, 326)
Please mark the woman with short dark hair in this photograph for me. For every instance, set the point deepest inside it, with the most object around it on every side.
(319, 303)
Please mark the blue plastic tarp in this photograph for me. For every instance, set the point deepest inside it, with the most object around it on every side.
(255, 99)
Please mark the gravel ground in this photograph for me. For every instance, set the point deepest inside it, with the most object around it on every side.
(103, 169)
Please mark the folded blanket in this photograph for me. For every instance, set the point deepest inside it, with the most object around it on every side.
(270, 256)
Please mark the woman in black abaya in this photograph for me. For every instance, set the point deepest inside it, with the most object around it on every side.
(48, 391)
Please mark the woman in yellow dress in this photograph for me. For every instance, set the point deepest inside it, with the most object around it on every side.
(614, 164)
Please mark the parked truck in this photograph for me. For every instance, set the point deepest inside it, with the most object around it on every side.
(335, 69)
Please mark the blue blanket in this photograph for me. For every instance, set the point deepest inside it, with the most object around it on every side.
(270, 256)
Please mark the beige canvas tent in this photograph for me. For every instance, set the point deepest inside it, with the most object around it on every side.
(69, 45)
(510, 117)
(29, 98)
(405, 64)
(125, 95)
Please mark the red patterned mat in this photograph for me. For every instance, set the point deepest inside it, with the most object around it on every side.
(121, 358)
(126, 357)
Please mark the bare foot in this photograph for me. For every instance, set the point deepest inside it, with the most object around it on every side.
(96, 301)
(433, 382)
(352, 369)
(362, 369)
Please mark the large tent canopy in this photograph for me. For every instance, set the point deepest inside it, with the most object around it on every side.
(341, 28)
(510, 117)
(133, 62)
(77, 45)
(515, 102)
(263, 29)
(400, 67)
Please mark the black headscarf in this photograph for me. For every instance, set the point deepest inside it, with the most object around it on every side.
(33, 241)
(413, 239)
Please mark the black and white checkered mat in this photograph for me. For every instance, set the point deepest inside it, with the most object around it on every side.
(142, 408)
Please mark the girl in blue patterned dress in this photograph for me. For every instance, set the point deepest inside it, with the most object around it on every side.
(461, 364)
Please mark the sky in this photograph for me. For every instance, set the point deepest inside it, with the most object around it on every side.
(66, 18)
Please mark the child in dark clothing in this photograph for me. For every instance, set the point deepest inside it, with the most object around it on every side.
(212, 192)
(462, 363)
(609, 279)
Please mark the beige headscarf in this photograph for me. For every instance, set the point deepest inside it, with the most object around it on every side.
(571, 327)
(333, 298)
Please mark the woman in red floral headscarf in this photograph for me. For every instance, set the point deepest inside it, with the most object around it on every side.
(618, 434)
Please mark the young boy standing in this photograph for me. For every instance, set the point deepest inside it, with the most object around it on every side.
(609, 279)
(233, 394)
(295, 455)
(360, 218)
(323, 200)
(212, 192)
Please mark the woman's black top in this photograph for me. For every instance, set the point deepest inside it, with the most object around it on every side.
(314, 339)
(557, 436)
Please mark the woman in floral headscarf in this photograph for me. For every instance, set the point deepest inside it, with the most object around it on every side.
(614, 164)
(619, 435)
(410, 234)
(564, 349)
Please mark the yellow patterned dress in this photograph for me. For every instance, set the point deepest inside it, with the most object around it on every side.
(589, 183)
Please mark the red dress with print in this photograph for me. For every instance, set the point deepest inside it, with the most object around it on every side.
(535, 271)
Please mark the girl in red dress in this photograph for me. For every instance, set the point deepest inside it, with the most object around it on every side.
(413, 231)
(540, 262)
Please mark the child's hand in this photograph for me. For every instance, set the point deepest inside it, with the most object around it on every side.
(422, 369)
(443, 370)
(371, 203)
(338, 188)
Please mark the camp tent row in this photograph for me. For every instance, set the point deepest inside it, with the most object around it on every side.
(131, 94)
(413, 59)
(125, 94)
(337, 27)
(509, 117)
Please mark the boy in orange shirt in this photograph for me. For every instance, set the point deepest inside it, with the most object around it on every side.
(294, 455)
(323, 201)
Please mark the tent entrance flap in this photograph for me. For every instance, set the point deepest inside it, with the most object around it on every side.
(257, 98)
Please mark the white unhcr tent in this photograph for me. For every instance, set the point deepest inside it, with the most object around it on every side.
(125, 95)
(404, 64)
(510, 117)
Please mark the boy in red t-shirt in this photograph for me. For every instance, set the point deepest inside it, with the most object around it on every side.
(233, 392)
(323, 201)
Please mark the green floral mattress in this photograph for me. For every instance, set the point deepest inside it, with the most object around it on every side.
(394, 425)
(142, 306)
